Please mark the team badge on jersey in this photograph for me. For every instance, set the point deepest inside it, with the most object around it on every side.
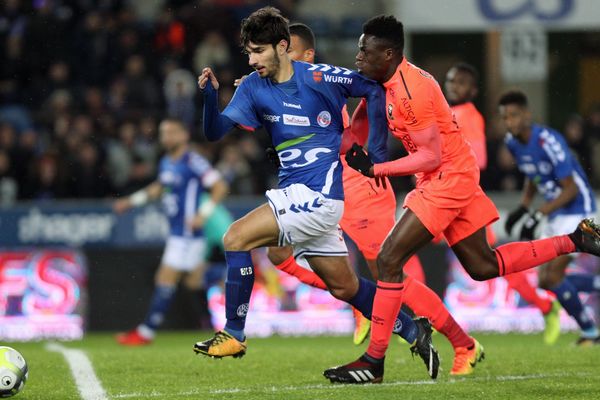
(317, 76)
(324, 119)
(390, 110)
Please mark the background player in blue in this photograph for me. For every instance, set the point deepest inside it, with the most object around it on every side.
(300, 106)
(184, 178)
(543, 156)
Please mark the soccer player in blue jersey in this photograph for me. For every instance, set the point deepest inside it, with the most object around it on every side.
(185, 180)
(300, 106)
(543, 156)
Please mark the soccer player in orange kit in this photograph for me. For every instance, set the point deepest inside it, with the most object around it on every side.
(447, 199)
(461, 89)
(369, 214)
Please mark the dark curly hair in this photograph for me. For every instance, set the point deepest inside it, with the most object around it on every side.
(513, 97)
(265, 26)
(388, 28)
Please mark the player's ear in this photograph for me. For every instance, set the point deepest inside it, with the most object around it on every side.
(282, 47)
(309, 55)
(389, 54)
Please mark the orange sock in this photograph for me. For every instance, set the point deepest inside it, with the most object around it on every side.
(425, 302)
(519, 283)
(291, 267)
(519, 256)
(386, 306)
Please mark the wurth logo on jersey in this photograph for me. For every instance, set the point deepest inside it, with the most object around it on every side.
(337, 79)
(334, 74)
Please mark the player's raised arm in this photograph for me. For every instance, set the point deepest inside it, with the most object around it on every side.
(215, 124)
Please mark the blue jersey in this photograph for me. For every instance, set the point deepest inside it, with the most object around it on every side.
(546, 160)
(303, 117)
(183, 181)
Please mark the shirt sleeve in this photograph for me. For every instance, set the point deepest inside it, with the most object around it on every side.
(241, 109)
(202, 169)
(558, 153)
(360, 86)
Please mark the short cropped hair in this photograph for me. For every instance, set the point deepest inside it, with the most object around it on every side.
(468, 69)
(305, 33)
(513, 97)
(388, 28)
(265, 26)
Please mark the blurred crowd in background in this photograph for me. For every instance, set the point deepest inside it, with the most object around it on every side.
(84, 83)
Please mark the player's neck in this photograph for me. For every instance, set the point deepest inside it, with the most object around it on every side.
(178, 153)
(285, 73)
(526, 135)
(393, 67)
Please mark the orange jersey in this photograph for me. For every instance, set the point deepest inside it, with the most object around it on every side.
(472, 126)
(415, 102)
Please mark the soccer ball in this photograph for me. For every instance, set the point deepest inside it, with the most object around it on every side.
(13, 372)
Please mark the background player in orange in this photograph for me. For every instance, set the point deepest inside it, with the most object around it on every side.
(447, 199)
(369, 214)
(461, 89)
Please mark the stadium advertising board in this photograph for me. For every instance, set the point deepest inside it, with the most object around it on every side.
(42, 294)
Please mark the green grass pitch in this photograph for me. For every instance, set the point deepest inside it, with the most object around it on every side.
(516, 367)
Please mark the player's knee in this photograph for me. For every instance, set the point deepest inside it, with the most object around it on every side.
(277, 255)
(234, 240)
(548, 281)
(342, 293)
(389, 264)
(483, 272)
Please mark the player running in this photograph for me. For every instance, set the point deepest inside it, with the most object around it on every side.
(543, 155)
(191, 192)
(369, 214)
(461, 89)
(447, 199)
(299, 105)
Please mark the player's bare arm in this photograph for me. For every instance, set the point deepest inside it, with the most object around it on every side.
(150, 193)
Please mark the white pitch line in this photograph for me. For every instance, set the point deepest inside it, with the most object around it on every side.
(87, 382)
(283, 389)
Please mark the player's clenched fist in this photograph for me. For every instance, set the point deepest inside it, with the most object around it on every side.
(206, 75)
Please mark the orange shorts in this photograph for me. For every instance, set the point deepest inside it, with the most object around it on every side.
(369, 213)
(452, 204)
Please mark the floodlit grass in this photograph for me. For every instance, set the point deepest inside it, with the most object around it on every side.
(516, 366)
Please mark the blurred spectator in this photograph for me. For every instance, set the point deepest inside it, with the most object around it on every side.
(8, 184)
(87, 178)
(576, 140)
(170, 35)
(92, 46)
(127, 168)
(57, 78)
(141, 92)
(45, 183)
(180, 90)
(213, 51)
(592, 133)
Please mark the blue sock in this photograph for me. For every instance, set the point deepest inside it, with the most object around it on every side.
(238, 288)
(363, 302)
(584, 282)
(568, 297)
(159, 305)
